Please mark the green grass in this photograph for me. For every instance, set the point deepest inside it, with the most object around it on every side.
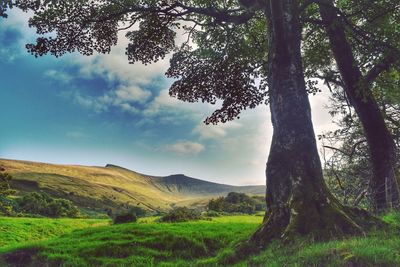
(392, 218)
(141, 244)
(14, 231)
(200, 243)
(378, 249)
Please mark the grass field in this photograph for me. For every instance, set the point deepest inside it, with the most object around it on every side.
(14, 231)
(201, 243)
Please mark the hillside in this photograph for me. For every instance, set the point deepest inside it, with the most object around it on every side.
(98, 188)
(68, 242)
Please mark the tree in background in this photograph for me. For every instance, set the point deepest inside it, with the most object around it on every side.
(5, 188)
(236, 43)
(236, 202)
(37, 203)
(376, 42)
(347, 162)
(7, 205)
(359, 46)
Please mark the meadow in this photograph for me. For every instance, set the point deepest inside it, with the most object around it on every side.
(88, 242)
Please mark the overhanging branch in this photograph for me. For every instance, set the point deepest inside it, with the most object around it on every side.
(380, 67)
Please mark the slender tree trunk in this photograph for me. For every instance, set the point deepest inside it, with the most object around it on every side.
(383, 186)
(298, 201)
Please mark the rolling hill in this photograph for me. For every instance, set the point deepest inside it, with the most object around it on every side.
(110, 187)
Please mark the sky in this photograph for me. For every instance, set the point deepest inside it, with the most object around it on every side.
(101, 110)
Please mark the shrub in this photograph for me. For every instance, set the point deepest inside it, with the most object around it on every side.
(138, 211)
(62, 208)
(237, 202)
(181, 214)
(213, 213)
(216, 204)
(5, 188)
(45, 205)
(8, 206)
(125, 217)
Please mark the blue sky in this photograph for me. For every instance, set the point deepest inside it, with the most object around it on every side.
(99, 109)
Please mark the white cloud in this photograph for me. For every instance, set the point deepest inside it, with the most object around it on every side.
(124, 97)
(171, 109)
(184, 148)
(98, 104)
(129, 108)
(115, 66)
(161, 102)
(215, 131)
(58, 75)
(131, 93)
(16, 22)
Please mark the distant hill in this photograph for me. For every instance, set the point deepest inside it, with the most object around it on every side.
(98, 188)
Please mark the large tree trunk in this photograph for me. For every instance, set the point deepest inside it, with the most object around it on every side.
(383, 185)
(298, 201)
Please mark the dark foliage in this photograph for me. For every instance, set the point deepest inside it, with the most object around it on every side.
(125, 217)
(5, 188)
(213, 213)
(138, 211)
(181, 214)
(44, 205)
(7, 205)
(237, 202)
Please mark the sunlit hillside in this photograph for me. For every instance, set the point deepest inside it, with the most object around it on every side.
(112, 186)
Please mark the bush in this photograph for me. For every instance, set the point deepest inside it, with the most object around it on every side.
(62, 208)
(181, 214)
(236, 202)
(5, 188)
(138, 211)
(213, 213)
(125, 217)
(45, 205)
(8, 206)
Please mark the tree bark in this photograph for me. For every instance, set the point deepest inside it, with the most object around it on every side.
(383, 186)
(298, 201)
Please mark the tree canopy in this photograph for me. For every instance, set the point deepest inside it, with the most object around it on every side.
(226, 46)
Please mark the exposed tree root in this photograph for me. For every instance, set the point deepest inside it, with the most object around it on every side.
(328, 220)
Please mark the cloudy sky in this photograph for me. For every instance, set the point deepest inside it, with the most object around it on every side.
(99, 109)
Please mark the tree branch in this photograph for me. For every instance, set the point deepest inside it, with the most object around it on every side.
(380, 67)
(353, 149)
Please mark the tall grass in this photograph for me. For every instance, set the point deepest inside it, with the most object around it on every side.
(15, 231)
(200, 243)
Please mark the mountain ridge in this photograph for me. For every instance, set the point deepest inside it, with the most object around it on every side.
(113, 186)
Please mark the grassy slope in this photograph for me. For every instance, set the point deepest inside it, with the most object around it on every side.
(203, 243)
(14, 231)
(140, 244)
(112, 186)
